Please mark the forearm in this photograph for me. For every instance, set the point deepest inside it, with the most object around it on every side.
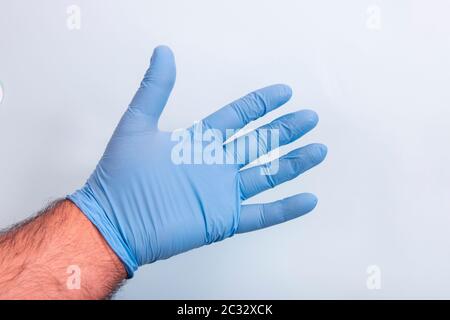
(59, 254)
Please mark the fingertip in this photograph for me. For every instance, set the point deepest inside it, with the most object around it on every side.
(310, 200)
(323, 149)
(310, 115)
(308, 119)
(281, 91)
(300, 204)
(285, 91)
(318, 152)
(162, 69)
(162, 49)
(163, 55)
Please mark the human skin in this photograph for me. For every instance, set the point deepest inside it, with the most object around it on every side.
(58, 254)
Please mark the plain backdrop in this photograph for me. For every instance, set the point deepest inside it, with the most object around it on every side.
(377, 73)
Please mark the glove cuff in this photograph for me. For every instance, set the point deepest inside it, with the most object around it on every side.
(85, 200)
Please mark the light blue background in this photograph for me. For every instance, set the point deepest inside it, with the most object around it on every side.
(382, 95)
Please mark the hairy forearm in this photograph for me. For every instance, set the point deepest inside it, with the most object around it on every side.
(58, 254)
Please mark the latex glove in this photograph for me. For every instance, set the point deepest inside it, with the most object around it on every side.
(149, 208)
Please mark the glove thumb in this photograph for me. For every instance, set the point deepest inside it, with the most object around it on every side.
(157, 84)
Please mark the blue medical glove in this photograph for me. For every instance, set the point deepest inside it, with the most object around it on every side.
(150, 206)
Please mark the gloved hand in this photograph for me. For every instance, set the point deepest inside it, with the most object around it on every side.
(149, 206)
